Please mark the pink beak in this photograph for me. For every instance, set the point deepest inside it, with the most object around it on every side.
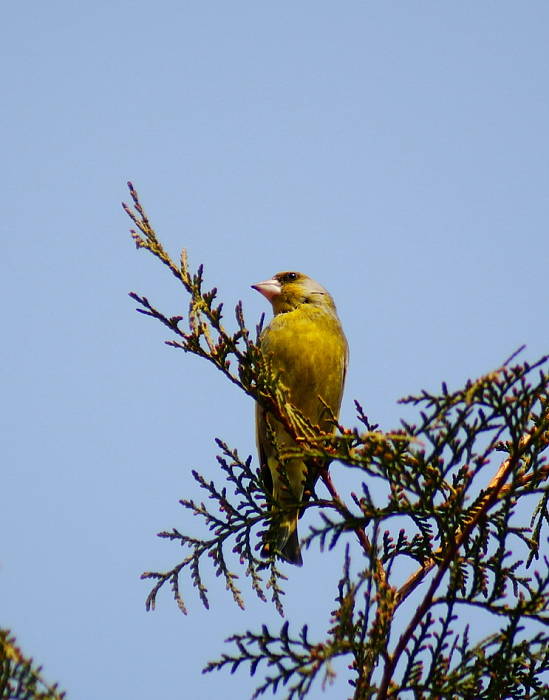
(270, 288)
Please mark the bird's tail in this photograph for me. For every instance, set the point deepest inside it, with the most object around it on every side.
(282, 539)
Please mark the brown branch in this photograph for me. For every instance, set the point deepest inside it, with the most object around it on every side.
(525, 480)
(340, 505)
(386, 594)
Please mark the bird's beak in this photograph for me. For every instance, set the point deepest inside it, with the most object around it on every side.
(270, 288)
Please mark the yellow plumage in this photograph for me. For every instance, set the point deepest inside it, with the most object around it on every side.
(307, 346)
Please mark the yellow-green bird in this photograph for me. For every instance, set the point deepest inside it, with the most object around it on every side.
(306, 345)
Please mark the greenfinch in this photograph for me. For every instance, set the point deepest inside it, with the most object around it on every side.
(307, 348)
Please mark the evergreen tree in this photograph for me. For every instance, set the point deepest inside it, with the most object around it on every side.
(447, 509)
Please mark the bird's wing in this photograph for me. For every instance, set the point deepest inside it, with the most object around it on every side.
(262, 442)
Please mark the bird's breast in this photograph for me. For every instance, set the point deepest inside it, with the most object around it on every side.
(309, 349)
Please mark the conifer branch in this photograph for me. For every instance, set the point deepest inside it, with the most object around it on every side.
(443, 510)
(20, 677)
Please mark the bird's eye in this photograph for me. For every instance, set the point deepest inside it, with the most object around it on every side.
(290, 277)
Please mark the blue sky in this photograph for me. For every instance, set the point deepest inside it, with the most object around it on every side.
(396, 152)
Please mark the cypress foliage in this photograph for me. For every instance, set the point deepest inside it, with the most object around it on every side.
(466, 501)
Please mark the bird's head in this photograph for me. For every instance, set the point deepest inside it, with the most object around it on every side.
(289, 290)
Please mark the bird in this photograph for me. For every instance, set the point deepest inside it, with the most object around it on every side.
(306, 347)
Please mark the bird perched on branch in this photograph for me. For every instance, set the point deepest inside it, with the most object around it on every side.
(307, 348)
